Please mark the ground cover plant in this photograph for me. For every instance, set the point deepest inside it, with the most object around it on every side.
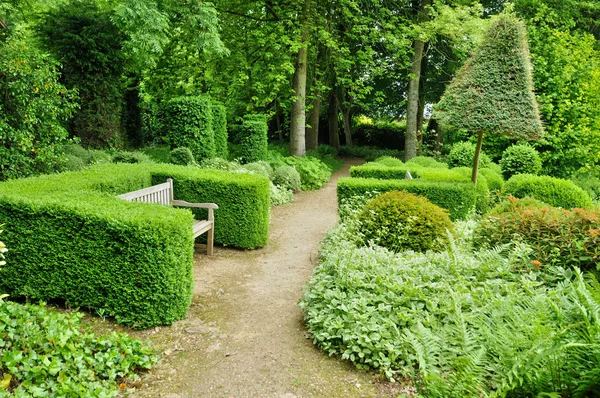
(461, 322)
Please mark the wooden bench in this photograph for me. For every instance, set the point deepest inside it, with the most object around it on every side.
(163, 194)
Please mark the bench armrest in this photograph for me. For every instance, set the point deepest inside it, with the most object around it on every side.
(183, 203)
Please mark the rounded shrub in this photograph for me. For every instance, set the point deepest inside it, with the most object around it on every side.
(131, 157)
(263, 168)
(78, 151)
(287, 177)
(99, 157)
(220, 164)
(188, 122)
(72, 163)
(425, 161)
(253, 138)
(389, 161)
(520, 159)
(399, 220)
(554, 191)
(462, 155)
(182, 156)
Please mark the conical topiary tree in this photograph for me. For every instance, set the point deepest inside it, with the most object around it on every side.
(493, 92)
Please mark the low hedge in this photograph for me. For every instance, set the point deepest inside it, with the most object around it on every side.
(554, 191)
(72, 240)
(458, 198)
(383, 172)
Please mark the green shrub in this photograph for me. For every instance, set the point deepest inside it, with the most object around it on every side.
(554, 191)
(313, 172)
(457, 323)
(49, 353)
(188, 122)
(281, 195)
(389, 161)
(99, 157)
(71, 239)
(263, 168)
(399, 220)
(557, 236)
(331, 161)
(495, 168)
(368, 153)
(220, 164)
(220, 130)
(520, 159)
(458, 198)
(494, 180)
(158, 154)
(425, 161)
(71, 163)
(383, 172)
(326, 150)
(182, 156)
(287, 177)
(380, 134)
(131, 157)
(589, 181)
(78, 151)
(462, 154)
(253, 138)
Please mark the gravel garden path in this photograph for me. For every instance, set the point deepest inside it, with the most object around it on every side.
(244, 335)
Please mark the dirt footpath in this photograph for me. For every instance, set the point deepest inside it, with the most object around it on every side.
(244, 335)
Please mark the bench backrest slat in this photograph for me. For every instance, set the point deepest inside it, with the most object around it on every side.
(161, 193)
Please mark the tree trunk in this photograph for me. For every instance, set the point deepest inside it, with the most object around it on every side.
(298, 125)
(347, 119)
(333, 121)
(410, 144)
(476, 160)
(312, 131)
(434, 126)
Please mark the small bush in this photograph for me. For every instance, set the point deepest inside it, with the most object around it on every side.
(399, 220)
(554, 191)
(368, 153)
(494, 180)
(558, 237)
(462, 154)
(58, 357)
(287, 177)
(72, 163)
(253, 138)
(99, 157)
(281, 195)
(131, 157)
(589, 181)
(313, 172)
(188, 122)
(263, 168)
(326, 150)
(425, 161)
(389, 161)
(520, 159)
(78, 151)
(220, 130)
(220, 164)
(182, 156)
(158, 154)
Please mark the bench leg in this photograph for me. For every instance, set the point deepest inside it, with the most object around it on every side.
(210, 241)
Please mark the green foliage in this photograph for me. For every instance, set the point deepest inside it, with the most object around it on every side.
(220, 130)
(399, 220)
(558, 237)
(367, 153)
(188, 122)
(379, 134)
(263, 168)
(281, 195)
(494, 179)
(33, 110)
(482, 190)
(99, 157)
(78, 151)
(287, 177)
(554, 191)
(331, 161)
(253, 138)
(425, 161)
(3, 250)
(158, 154)
(71, 239)
(493, 92)
(220, 164)
(462, 154)
(72, 163)
(182, 156)
(84, 39)
(589, 181)
(131, 157)
(389, 161)
(520, 159)
(458, 198)
(457, 323)
(313, 172)
(48, 353)
(384, 172)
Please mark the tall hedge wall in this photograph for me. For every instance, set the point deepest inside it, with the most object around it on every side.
(253, 138)
(220, 130)
(458, 198)
(188, 122)
(72, 239)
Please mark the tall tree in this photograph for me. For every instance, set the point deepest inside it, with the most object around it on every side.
(298, 118)
(493, 92)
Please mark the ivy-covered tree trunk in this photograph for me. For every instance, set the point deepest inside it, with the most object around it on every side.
(412, 111)
(312, 130)
(347, 120)
(298, 125)
(333, 121)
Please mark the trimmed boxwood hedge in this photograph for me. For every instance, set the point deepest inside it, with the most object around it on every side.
(381, 171)
(253, 138)
(72, 239)
(554, 191)
(220, 130)
(458, 198)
